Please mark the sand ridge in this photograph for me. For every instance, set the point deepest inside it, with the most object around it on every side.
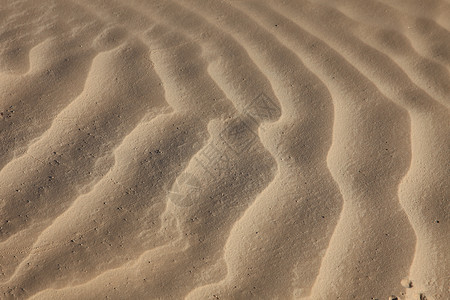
(224, 149)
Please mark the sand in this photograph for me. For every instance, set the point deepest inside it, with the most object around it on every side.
(191, 149)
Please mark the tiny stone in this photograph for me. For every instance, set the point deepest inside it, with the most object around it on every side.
(406, 283)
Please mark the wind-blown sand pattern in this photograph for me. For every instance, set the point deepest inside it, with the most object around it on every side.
(224, 149)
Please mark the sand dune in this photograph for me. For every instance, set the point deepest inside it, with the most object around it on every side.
(224, 149)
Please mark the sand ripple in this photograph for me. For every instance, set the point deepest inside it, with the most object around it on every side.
(224, 149)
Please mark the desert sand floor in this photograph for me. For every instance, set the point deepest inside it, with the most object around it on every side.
(172, 149)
